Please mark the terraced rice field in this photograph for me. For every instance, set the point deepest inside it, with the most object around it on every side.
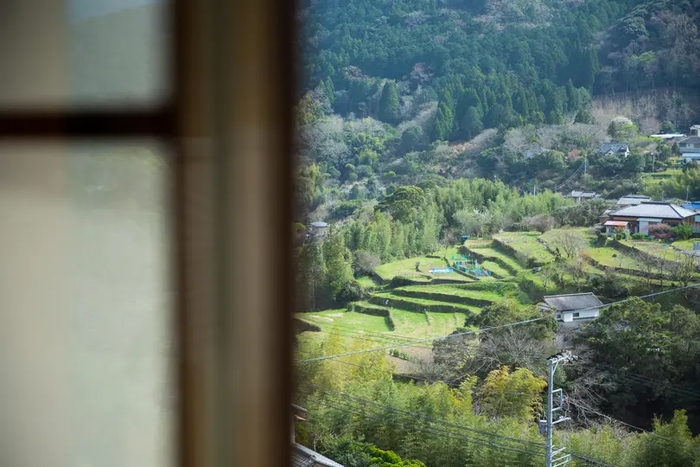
(490, 254)
(407, 268)
(527, 245)
(342, 318)
(655, 249)
(612, 258)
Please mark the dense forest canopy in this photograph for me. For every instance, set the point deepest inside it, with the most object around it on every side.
(491, 63)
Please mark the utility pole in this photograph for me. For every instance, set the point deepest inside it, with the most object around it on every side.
(555, 457)
(585, 165)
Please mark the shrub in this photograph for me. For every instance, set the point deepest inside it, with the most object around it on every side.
(350, 292)
(682, 231)
(601, 240)
(640, 236)
(660, 231)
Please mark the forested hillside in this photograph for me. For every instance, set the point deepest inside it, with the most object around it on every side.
(414, 91)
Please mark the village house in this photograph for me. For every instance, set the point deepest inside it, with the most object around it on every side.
(572, 307)
(638, 218)
(690, 146)
(580, 196)
(612, 149)
(627, 200)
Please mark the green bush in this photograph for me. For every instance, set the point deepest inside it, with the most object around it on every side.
(682, 231)
(601, 241)
(640, 236)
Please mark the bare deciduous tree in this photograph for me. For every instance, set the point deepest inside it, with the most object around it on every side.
(685, 268)
(570, 241)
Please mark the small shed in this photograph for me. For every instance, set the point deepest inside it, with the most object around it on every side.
(572, 307)
(319, 229)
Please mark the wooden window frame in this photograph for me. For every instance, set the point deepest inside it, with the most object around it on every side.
(228, 127)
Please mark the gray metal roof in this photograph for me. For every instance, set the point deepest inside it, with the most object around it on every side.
(305, 457)
(319, 224)
(631, 200)
(577, 301)
(690, 140)
(655, 210)
(583, 194)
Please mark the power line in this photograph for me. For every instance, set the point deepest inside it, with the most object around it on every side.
(414, 416)
(347, 407)
(419, 341)
(349, 399)
(650, 433)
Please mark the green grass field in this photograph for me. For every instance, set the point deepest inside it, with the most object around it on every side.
(366, 282)
(685, 244)
(426, 325)
(331, 319)
(456, 292)
(550, 235)
(605, 257)
(658, 250)
(526, 244)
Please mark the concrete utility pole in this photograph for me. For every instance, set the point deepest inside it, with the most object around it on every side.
(585, 165)
(555, 457)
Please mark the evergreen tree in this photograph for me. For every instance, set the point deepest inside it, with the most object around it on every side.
(444, 121)
(497, 116)
(389, 105)
(572, 97)
(472, 122)
(667, 127)
(338, 263)
(312, 277)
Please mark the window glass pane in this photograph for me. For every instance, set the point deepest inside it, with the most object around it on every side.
(83, 53)
(85, 294)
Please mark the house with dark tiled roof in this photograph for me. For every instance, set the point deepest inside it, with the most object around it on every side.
(691, 144)
(613, 149)
(572, 307)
